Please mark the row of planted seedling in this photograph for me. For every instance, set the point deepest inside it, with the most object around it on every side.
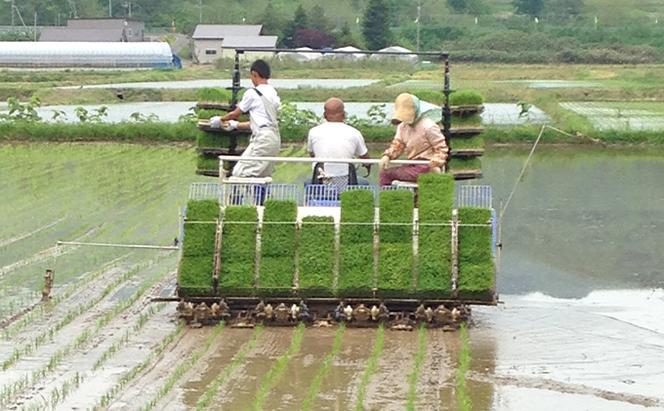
(309, 258)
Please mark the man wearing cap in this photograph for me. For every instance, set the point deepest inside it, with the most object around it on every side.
(419, 137)
(336, 139)
(262, 103)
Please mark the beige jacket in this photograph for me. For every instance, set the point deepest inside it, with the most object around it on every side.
(421, 141)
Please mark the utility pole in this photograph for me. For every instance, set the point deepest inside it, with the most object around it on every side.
(110, 8)
(13, 7)
(200, 11)
(419, 14)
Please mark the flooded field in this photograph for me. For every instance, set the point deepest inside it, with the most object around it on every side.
(579, 326)
(620, 116)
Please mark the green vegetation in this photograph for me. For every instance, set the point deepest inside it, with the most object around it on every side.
(420, 356)
(183, 367)
(238, 250)
(463, 398)
(436, 198)
(395, 268)
(316, 256)
(370, 369)
(197, 264)
(466, 98)
(356, 276)
(271, 378)
(476, 268)
(324, 370)
(278, 246)
(205, 400)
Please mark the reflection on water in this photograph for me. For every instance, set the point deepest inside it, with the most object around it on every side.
(580, 220)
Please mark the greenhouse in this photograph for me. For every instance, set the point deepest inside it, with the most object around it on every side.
(87, 54)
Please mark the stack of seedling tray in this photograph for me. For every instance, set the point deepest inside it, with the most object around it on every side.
(214, 142)
(464, 136)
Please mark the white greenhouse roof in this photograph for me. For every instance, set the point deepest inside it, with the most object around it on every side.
(27, 53)
(220, 31)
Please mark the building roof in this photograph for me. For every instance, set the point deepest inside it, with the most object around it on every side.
(221, 31)
(249, 41)
(68, 34)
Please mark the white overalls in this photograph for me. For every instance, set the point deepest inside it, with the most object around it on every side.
(265, 141)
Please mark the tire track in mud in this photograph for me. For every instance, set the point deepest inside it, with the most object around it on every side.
(204, 401)
(339, 389)
(387, 388)
(437, 372)
(101, 317)
(238, 393)
(566, 388)
(21, 237)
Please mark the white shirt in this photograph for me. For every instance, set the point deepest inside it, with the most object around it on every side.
(253, 104)
(338, 140)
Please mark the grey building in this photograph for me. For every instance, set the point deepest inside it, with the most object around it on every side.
(96, 30)
(214, 41)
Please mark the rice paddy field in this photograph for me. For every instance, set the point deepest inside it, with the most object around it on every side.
(100, 343)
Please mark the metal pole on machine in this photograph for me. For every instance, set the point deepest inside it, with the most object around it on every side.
(447, 114)
(235, 87)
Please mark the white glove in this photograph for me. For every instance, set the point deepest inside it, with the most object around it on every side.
(215, 122)
(230, 125)
(384, 162)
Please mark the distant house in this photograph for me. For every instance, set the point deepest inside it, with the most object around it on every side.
(96, 30)
(214, 41)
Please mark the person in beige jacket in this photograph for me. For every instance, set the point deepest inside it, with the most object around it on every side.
(419, 137)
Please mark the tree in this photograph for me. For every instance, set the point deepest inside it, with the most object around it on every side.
(375, 25)
(313, 38)
(270, 21)
(530, 7)
(318, 20)
(459, 6)
(300, 21)
(564, 8)
(345, 37)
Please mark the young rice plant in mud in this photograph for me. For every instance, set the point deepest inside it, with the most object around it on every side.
(324, 370)
(271, 378)
(183, 367)
(417, 368)
(278, 246)
(211, 391)
(464, 402)
(356, 243)
(371, 367)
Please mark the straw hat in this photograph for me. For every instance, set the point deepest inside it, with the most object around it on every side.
(406, 108)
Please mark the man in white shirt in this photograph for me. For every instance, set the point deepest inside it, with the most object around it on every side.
(335, 139)
(262, 103)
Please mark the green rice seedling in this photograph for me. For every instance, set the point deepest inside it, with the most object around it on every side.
(417, 367)
(465, 98)
(183, 367)
(205, 400)
(207, 162)
(129, 376)
(474, 120)
(464, 402)
(464, 164)
(213, 94)
(219, 141)
(436, 196)
(278, 246)
(395, 268)
(370, 370)
(278, 369)
(468, 143)
(197, 264)
(316, 256)
(476, 268)
(238, 250)
(324, 370)
(356, 244)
